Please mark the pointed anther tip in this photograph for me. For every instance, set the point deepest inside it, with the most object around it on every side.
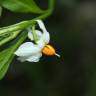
(57, 55)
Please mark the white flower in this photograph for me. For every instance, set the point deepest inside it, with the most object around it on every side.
(32, 52)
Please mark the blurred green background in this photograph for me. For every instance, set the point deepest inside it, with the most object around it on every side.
(73, 33)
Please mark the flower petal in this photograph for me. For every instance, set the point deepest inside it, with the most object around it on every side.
(44, 39)
(27, 49)
(41, 43)
(46, 35)
(39, 34)
(41, 25)
(30, 35)
(34, 58)
(22, 58)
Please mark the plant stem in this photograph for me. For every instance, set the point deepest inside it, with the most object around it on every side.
(25, 24)
(34, 34)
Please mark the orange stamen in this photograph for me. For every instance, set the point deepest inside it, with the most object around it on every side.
(49, 51)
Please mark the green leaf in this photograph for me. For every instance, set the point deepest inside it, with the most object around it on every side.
(6, 37)
(0, 11)
(10, 32)
(24, 6)
(7, 55)
(5, 67)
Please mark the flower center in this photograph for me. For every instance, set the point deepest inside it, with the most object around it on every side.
(48, 50)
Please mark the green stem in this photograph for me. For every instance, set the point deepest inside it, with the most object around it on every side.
(47, 13)
(25, 24)
(34, 34)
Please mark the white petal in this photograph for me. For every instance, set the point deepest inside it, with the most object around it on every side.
(22, 58)
(34, 58)
(38, 33)
(41, 25)
(46, 37)
(27, 49)
(30, 35)
(41, 43)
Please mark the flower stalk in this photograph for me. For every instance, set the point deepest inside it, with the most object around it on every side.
(34, 34)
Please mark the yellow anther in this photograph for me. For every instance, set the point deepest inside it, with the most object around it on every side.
(49, 51)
